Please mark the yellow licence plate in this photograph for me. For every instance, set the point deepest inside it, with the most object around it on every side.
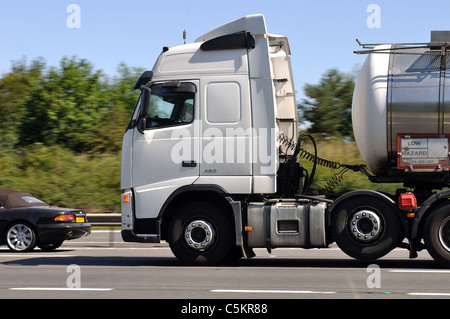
(80, 219)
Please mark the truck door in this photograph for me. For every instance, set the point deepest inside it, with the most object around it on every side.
(226, 130)
(164, 147)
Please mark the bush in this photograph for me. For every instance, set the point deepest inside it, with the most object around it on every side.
(63, 178)
(337, 150)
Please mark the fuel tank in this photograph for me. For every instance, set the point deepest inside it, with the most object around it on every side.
(287, 223)
(401, 110)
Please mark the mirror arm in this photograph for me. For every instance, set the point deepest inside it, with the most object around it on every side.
(142, 123)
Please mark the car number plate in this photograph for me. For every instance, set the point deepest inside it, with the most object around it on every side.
(80, 219)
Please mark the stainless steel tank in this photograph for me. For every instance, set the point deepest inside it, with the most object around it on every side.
(401, 109)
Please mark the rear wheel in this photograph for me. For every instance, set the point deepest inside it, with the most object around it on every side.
(366, 227)
(20, 237)
(437, 235)
(50, 246)
(200, 233)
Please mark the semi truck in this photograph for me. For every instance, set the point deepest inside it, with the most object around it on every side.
(211, 156)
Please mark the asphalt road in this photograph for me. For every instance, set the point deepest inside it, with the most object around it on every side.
(101, 266)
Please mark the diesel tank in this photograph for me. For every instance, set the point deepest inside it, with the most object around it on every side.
(401, 111)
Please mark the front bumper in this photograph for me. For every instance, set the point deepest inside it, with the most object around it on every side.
(137, 230)
(130, 236)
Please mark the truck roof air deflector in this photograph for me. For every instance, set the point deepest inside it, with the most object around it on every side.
(239, 40)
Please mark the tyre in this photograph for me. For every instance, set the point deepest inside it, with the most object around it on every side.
(201, 233)
(437, 235)
(20, 237)
(366, 227)
(50, 246)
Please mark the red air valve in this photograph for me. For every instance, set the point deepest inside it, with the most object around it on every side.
(407, 202)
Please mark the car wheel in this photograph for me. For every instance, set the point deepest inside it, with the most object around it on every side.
(20, 237)
(50, 246)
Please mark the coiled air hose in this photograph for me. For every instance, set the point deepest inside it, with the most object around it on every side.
(290, 144)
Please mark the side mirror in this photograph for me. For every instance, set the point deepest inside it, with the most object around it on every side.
(143, 111)
(145, 104)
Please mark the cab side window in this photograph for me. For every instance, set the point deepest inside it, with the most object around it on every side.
(171, 104)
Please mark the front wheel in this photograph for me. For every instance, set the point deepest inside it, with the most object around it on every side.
(437, 235)
(366, 227)
(201, 233)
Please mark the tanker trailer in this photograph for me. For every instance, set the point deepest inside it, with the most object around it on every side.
(400, 114)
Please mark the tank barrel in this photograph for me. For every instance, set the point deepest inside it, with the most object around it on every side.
(400, 105)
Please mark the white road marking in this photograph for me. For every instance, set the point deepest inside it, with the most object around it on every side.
(55, 253)
(420, 271)
(34, 255)
(268, 291)
(429, 294)
(116, 248)
(60, 289)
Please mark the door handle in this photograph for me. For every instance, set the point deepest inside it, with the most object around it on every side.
(189, 164)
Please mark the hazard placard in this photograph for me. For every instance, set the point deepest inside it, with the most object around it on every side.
(423, 152)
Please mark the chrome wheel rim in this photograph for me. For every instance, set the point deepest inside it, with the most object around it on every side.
(199, 235)
(20, 237)
(365, 226)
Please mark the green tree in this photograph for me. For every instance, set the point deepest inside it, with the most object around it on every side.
(123, 98)
(16, 89)
(70, 101)
(328, 104)
(61, 131)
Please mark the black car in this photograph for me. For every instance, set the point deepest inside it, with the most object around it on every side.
(27, 222)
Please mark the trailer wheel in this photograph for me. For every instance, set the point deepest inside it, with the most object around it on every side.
(437, 235)
(366, 227)
(200, 233)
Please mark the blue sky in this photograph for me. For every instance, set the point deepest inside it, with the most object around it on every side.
(322, 33)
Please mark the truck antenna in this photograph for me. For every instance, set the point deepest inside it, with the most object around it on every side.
(186, 22)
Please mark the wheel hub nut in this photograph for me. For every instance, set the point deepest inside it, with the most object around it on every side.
(199, 235)
(365, 225)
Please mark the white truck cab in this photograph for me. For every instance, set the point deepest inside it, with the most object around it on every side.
(215, 109)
